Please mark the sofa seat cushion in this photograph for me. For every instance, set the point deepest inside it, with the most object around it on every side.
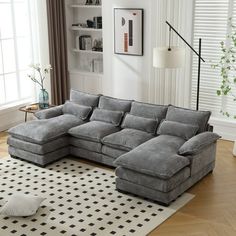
(163, 185)
(126, 139)
(93, 130)
(112, 152)
(86, 144)
(43, 131)
(157, 157)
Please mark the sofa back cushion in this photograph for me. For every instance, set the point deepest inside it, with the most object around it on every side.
(185, 131)
(114, 104)
(112, 117)
(187, 116)
(84, 99)
(140, 123)
(152, 111)
(75, 109)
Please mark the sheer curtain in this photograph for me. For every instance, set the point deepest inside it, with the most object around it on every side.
(172, 85)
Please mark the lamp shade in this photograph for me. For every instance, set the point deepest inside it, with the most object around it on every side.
(164, 58)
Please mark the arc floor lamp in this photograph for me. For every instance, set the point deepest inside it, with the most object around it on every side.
(174, 57)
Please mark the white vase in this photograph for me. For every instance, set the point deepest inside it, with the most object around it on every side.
(234, 149)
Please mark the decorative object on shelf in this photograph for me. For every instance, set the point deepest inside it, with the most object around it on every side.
(98, 2)
(128, 28)
(80, 25)
(226, 67)
(174, 57)
(90, 24)
(85, 42)
(97, 45)
(42, 73)
(97, 66)
(89, 2)
(97, 22)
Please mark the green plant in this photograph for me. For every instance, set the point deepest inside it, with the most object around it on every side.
(42, 73)
(227, 67)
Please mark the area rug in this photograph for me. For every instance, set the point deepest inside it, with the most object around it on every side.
(80, 200)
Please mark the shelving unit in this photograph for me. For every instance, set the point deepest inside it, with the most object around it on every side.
(83, 62)
(86, 51)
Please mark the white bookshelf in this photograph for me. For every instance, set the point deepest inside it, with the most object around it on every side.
(81, 62)
(86, 6)
(87, 51)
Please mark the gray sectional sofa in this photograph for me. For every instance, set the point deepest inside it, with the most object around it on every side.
(159, 151)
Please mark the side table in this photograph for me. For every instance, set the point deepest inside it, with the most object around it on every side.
(30, 109)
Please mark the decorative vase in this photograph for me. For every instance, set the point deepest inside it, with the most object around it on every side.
(43, 99)
(234, 149)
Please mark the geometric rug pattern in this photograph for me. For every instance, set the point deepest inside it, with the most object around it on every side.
(80, 200)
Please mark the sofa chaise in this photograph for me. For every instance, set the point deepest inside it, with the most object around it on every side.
(159, 151)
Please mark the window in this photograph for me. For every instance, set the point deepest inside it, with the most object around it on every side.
(211, 24)
(15, 51)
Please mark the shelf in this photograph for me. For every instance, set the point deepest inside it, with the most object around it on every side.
(86, 51)
(85, 29)
(85, 6)
(74, 71)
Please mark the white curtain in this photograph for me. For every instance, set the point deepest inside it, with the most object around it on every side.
(172, 85)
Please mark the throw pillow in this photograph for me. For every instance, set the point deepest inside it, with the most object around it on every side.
(113, 117)
(178, 129)
(21, 205)
(77, 110)
(140, 123)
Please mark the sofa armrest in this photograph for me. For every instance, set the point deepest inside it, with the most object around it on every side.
(49, 113)
(198, 143)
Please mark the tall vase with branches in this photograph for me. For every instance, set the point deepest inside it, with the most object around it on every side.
(38, 76)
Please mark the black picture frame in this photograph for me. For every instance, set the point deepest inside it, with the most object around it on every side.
(141, 50)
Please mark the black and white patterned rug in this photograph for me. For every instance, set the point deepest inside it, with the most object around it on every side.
(80, 200)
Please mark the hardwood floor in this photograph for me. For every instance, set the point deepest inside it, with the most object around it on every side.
(213, 210)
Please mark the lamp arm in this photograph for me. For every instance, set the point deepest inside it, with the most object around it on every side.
(185, 41)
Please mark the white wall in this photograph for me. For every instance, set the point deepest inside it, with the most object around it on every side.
(126, 76)
(134, 76)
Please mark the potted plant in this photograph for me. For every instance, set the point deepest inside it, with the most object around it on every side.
(227, 67)
(38, 78)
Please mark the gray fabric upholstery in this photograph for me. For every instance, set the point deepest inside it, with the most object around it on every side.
(156, 157)
(160, 196)
(185, 131)
(93, 130)
(93, 156)
(187, 116)
(151, 181)
(112, 152)
(49, 113)
(114, 104)
(113, 117)
(203, 158)
(43, 131)
(126, 139)
(77, 110)
(140, 123)
(147, 110)
(85, 144)
(38, 148)
(197, 143)
(84, 99)
(39, 159)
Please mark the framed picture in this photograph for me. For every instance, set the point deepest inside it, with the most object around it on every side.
(128, 31)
